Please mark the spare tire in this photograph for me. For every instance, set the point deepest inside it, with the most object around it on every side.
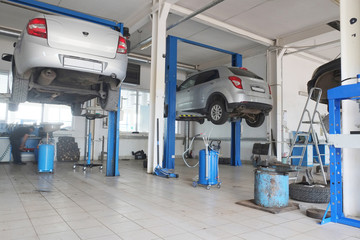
(316, 193)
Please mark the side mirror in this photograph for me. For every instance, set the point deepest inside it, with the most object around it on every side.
(7, 57)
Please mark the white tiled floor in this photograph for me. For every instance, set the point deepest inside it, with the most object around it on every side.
(75, 205)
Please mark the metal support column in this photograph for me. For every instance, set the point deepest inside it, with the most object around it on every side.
(112, 161)
(170, 102)
(236, 126)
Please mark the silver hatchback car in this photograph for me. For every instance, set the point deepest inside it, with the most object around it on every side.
(64, 60)
(223, 93)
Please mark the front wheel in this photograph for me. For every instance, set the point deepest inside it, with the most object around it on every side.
(255, 120)
(217, 113)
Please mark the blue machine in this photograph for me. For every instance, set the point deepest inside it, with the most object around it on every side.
(208, 168)
(46, 158)
(335, 95)
(308, 156)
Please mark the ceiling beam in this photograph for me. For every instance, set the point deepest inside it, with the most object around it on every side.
(210, 21)
(309, 32)
(139, 18)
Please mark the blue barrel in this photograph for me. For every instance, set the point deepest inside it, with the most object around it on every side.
(213, 173)
(46, 158)
(271, 188)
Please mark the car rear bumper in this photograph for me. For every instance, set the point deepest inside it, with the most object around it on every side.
(34, 52)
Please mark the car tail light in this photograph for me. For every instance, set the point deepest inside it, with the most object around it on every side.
(37, 27)
(122, 48)
(269, 89)
(236, 81)
(243, 68)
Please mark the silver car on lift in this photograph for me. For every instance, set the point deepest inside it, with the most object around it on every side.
(63, 60)
(224, 93)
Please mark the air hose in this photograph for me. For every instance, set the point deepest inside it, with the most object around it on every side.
(183, 155)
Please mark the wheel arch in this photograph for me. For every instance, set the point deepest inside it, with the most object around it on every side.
(216, 96)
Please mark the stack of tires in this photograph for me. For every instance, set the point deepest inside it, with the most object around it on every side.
(67, 150)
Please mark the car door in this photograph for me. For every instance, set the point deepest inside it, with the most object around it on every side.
(184, 94)
(204, 87)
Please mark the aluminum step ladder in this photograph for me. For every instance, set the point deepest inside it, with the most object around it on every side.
(310, 134)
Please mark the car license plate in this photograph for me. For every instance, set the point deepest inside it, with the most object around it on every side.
(258, 89)
(83, 63)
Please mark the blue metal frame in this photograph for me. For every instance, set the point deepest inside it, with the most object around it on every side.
(170, 102)
(70, 13)
(112, 168)
(335, 95)
(235, 159)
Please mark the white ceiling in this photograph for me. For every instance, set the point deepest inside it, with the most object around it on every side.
(294, 22)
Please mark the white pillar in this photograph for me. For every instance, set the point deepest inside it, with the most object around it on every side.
(274, 77)
(350, 67)
(160, 12)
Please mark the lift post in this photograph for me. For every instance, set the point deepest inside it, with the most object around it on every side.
(170, 102)
(114, 117)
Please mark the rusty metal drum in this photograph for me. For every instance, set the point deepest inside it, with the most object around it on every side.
(271, 188)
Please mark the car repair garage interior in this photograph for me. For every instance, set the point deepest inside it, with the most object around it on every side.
(179, 119)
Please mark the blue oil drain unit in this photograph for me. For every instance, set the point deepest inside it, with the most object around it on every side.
(208, 169)
(46, 158)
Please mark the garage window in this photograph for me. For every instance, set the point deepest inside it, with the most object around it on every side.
(135, 111)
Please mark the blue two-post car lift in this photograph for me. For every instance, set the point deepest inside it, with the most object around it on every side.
(170, 101)
(112, 164)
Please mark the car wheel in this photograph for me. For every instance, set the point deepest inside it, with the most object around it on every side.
(19, 90)
(217, 113)
(257, 121)
(13, 106)
(76, 109)
(111, 101)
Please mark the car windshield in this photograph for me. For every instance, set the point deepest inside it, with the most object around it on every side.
(245, 73)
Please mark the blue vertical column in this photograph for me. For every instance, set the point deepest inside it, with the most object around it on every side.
(112, 161)
(236, 126)
(336, 191)
(170, 102)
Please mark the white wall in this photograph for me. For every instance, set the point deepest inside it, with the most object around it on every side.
(297, 71)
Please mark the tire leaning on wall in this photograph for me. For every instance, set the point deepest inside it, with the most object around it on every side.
(316, 193)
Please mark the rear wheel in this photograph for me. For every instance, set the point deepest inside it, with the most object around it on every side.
(217, 112)
(111, 100)
(19, 90)
(256, 120)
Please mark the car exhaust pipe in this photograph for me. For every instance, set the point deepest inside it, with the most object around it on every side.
(46, 77)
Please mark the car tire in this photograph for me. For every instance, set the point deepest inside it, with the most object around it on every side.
(257, 122)
(111, 101)
(217, 113)
(76, 109)
(309, 193)
(20, 89)
(13, 107)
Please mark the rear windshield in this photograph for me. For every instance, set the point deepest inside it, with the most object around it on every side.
(245, 73)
